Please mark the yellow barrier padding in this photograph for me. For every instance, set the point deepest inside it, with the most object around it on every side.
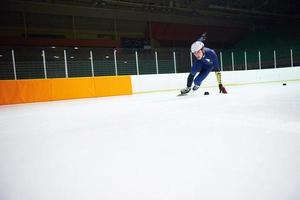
(9, 92)
(34, 90)
(72, 88)
(38, 90)
(23, 91)
(107, 86)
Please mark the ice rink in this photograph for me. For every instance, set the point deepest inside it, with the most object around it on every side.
(244, 145)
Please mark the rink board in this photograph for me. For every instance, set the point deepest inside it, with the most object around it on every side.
(40, 90)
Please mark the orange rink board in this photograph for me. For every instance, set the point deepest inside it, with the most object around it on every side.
(40, 90)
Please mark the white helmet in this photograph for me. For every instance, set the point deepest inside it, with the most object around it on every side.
(196, 46)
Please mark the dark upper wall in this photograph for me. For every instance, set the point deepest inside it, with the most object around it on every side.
(107, 26)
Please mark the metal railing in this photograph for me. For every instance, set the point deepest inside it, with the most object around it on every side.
(65, 62)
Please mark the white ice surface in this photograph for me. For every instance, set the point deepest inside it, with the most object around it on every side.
(241, 146)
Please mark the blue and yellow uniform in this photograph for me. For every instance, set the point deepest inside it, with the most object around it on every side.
(206, 62)
(209, 62)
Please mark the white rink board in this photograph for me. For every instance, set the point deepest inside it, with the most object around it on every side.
(160, 82)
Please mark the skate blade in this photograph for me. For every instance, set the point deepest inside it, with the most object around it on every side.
(180, 95)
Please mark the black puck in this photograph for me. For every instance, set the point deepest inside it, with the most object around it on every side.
(206, 93)
(284, 84)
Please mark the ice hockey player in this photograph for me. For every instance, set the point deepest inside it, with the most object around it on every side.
(206, 62)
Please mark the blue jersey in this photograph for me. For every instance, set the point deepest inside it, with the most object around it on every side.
(208, 63)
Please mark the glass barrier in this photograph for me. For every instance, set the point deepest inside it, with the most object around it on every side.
(6, 64)
(60, 62)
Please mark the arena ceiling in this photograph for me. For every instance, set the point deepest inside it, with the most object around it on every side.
(251, 8)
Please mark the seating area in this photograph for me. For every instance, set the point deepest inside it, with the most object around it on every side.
(262, 46)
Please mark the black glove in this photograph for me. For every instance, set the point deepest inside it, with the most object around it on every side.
(222, 89)
(203, 37)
